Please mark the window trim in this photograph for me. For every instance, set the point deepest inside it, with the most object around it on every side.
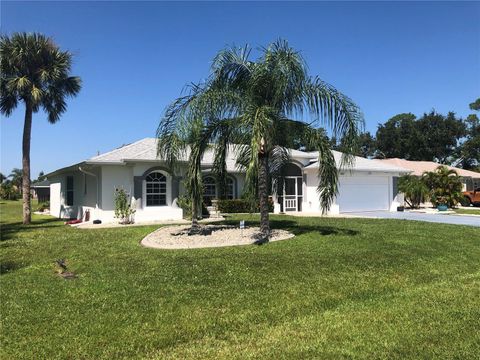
(167, 193)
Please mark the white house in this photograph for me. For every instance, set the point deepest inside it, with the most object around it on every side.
(91, 184)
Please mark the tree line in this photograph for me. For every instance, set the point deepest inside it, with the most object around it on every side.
(11, 185)
(446, 139)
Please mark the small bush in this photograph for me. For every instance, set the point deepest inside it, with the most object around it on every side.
(43, 206)
(241, 206)
(464, 201)
(123, 209)
(9, 191)
(185, 203)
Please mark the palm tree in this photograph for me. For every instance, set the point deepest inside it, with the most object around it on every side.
(16, 177)
(257, 109)
(34, 70)
(445, 186)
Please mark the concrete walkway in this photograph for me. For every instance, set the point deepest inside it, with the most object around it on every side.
(436, 218)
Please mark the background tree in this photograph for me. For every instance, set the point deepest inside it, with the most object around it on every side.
(433, 137)
(399, 137)
(2, 178)
(475, 105)
(16, 177)
(365, 145)
(260, 104)
(440, 137)
(34, 71)
(41, 176)
(469, 151)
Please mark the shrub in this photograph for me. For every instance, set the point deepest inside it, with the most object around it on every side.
(241, 206)
(465, 201)
(414, 190)
(445, 186)
(43, 206)
(185, 203)
(9, 191)
(123, 209)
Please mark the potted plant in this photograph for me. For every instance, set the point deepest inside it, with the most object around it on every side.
(442, 203)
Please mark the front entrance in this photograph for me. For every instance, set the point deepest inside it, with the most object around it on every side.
(292, 193)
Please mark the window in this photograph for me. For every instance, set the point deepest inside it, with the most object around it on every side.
(156, 189)
(209, 190)
(69, 191)
(230, 188)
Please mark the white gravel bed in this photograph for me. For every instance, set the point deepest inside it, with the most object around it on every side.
(176, 237)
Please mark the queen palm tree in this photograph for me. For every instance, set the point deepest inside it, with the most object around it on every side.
(34, 70)
(259, 109)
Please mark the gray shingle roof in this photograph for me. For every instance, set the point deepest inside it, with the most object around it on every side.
(360, 164)
(146, 150)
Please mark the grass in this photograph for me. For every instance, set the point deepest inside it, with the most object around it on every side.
(341, 289)
(468, 211)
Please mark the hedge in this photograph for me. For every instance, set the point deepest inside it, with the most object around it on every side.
(241, 206)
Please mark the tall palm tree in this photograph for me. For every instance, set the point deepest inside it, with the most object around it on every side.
(263, 107)
(34, 70)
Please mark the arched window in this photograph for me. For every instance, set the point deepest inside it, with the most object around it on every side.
(209, 190)
(156, 189)
(230, 188)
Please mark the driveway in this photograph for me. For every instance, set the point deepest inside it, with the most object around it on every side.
(444, 219)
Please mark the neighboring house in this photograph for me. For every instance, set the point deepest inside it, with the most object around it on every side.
(154, 189)
(41, 191)
(470, 179)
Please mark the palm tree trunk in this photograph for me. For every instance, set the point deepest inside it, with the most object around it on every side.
(195, 226)
(263, 195)
(27, 131)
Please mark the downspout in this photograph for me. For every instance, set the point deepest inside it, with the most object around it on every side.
(96, 179)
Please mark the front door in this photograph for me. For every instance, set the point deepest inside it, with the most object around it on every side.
(290, 194)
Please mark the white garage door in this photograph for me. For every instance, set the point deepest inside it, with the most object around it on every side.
(363, 193)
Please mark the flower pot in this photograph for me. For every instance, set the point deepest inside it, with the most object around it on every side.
(442, 207)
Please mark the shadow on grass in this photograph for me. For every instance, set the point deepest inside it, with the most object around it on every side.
(299, 229)
(9, 266)
(8, 230)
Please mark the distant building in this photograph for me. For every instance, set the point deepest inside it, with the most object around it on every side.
(41, 191)
(470, 179)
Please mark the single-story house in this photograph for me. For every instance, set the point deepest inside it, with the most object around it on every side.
(154, 189)
(41, 191)
(470, 179)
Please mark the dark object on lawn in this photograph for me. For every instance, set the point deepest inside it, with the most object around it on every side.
(62, 269)
(96, 222)
(400, 208)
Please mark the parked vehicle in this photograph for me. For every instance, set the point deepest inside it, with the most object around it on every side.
(473, 197)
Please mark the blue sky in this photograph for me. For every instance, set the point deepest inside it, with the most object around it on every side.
(134, 58)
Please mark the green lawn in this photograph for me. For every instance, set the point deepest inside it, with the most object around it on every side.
(341, 289)
(474, 211)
